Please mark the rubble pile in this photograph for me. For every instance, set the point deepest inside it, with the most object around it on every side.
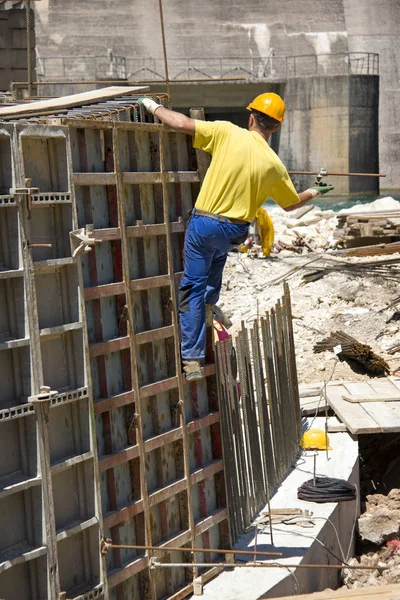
(380, 525)
(359, 305)
(318, 229)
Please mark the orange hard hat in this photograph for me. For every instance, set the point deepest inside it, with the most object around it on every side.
(270, 104)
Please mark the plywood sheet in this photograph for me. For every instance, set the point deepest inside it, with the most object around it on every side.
(52, 105)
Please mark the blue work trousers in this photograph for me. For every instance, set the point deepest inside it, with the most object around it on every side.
(207, 244)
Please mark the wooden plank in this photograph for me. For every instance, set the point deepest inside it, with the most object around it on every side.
(384, 592)
(138, 231)
(384, 387)
(387, 415)
(94, 178)
(358, 388)
(152, 177)
(65, 102)
(376, 398)
(106, 404)
(104, 291)
(381, 390)
(354, 416)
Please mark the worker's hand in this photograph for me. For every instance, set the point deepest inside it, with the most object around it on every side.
(149, 104)
(319, 190)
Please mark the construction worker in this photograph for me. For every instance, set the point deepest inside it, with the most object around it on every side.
(244, 172)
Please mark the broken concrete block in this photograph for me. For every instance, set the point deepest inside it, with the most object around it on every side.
(379, 526)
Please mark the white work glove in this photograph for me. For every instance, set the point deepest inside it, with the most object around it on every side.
(149, 104)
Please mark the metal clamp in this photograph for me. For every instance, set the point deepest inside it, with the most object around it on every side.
(46, 394)
(82, 240)
(26, 191)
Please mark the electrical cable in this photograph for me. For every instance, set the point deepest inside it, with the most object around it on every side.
(318, 541)
(326, 489)
(355, 521)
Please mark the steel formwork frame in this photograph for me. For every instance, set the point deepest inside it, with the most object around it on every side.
(164, 449)
(90, 347)
(49, 508)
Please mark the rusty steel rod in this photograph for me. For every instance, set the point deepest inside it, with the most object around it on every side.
(125, 82)
(335, 174)
(267, 565)
(28, 45)
(182, 549)
(164, 45)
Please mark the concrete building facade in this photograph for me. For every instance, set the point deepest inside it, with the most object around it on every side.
(266, 43)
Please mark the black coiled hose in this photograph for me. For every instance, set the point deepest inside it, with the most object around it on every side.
(326, 489)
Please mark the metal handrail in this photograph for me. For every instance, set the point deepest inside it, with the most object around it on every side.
(267, 68)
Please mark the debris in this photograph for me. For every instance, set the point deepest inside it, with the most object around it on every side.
(356, 310)
(354, 350)
(380, 526)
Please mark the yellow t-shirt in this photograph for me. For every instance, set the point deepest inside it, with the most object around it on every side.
(243, 174)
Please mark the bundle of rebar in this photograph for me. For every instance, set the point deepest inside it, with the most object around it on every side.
(382, 268)
(260, 412)
(351, 349)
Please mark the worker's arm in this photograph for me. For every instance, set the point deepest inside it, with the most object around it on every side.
(175, 120)
(285, 195)
(309, 194)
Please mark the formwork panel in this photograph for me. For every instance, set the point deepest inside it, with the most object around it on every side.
(6, 163)
(14, 525)
(150, 464)
(25, 581)
(63, 361)
(57, 297)
(55, 355)
(9, 240)
(74, 495)
(78, 561)
(45, 159)
(69, 431)
(12, 314)
(15, 376)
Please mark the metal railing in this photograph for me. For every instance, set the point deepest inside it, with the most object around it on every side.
(269, 68)
(81, 67)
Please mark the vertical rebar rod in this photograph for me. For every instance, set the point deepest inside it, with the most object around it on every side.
(28, 45)
(164, 45)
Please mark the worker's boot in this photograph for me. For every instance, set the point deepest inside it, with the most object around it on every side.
(220, 316)
(192, 369)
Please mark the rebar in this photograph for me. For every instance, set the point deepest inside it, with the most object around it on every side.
(260, 413)
(264, 565)
(164, 45)
(28, 45)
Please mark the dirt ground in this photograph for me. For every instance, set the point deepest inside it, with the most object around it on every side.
(338, 301)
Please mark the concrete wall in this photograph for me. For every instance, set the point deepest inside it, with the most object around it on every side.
(331, 122)
(211, 28)
(374, 27)
(224, 29)
(13, 58)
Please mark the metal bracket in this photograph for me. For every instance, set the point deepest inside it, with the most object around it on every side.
(26, 191)
(82, 240)
(46, 394)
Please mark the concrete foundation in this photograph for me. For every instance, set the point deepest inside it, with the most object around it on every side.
(297, 544)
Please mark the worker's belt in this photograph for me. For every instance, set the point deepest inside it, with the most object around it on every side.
(204, 213)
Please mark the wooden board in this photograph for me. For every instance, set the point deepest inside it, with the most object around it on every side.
(384, 592)
(367, 416)
(373, 391)
(41, 107)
